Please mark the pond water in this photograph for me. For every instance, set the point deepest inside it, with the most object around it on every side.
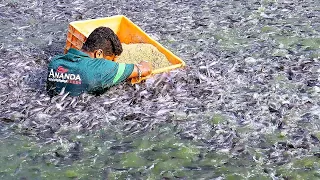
(245, 107)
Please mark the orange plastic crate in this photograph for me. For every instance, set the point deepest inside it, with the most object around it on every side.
(127, 32)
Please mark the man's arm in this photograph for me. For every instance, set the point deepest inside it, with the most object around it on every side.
(128, 71)
(105, 73)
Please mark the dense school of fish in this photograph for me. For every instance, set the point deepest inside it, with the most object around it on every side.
(252, 73)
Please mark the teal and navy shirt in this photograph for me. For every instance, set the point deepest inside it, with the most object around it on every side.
(76, 72)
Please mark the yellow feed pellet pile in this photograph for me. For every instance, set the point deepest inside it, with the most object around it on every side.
(135, 53)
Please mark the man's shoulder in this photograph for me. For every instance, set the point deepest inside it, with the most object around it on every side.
(58, 57)
(55, 59)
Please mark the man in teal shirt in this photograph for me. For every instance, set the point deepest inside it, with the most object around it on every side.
(91, 69)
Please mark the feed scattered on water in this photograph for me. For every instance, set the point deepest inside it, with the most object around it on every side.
(135, 53)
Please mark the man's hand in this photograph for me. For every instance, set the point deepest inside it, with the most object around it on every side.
(145, 67)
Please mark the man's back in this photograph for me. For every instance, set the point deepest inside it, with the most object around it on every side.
(76, 72)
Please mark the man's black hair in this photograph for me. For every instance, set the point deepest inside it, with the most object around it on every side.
(103, 38)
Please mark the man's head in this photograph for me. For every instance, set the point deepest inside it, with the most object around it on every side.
(102, 43)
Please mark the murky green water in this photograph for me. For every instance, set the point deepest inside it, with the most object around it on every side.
(106, 154)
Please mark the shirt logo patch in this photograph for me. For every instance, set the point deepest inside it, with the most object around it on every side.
(62, 69)
(62, 76)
